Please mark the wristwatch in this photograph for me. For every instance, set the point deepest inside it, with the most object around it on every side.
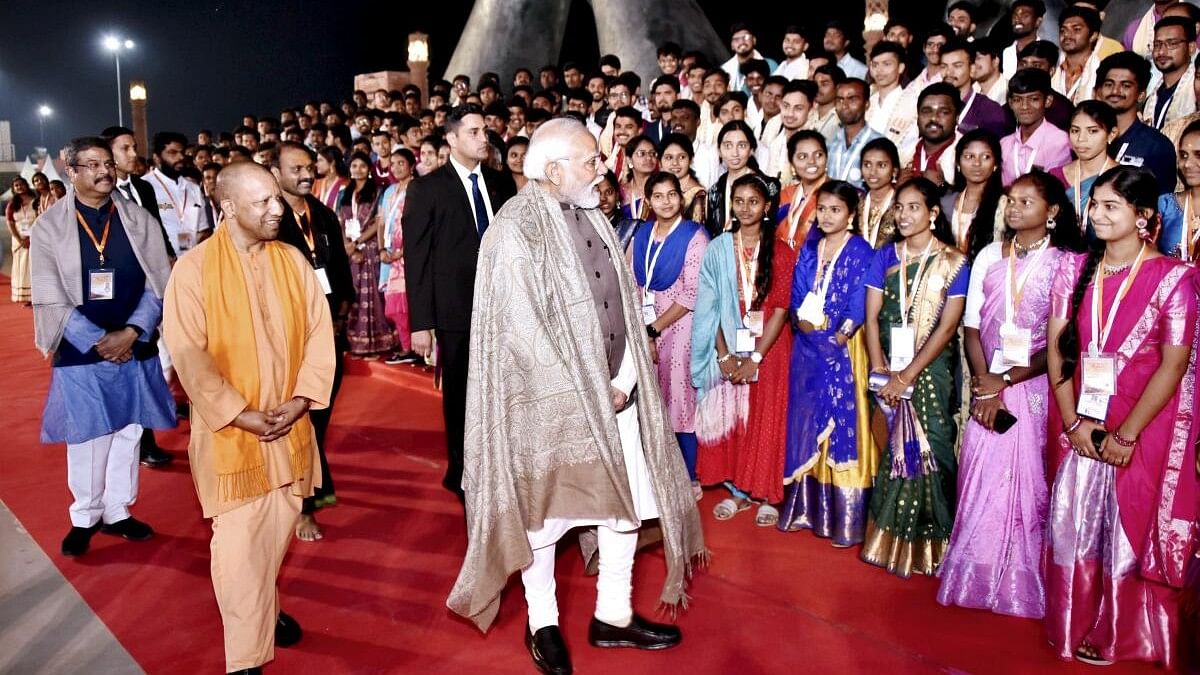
(1007, 379)
(756, 357)
(652, 331)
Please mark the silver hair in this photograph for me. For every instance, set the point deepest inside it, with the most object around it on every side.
(551, 142)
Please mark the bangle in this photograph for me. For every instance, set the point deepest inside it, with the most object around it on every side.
(897, 374)
(1074, 425)
(1122, 441)
(723, 359)
(986, 397)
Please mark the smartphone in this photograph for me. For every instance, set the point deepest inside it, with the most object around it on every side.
(1004, 421)
(1098, 437)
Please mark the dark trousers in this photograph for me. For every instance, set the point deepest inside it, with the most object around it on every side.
(454, 357)
(320, 421)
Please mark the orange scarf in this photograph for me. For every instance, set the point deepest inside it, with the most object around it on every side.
(240, 463)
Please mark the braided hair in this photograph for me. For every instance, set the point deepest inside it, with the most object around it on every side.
(1137, 186)
(766, 248)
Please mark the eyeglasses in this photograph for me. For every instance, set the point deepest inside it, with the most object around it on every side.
(95, 166)
(1168, 45)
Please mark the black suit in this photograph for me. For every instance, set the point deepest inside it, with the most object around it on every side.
(441, 245)
(328, 253)
(657, 132)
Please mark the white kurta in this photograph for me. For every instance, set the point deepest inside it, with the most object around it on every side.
(640, 487)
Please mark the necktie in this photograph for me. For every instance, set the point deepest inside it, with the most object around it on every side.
(127, 190)
(481, 216)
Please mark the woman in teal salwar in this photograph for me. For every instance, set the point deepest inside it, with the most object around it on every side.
(910, 322)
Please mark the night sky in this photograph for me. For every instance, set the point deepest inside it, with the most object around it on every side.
(207, 63)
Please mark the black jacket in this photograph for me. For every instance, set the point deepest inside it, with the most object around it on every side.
(441, 246)
(330, 252)
(149, 201)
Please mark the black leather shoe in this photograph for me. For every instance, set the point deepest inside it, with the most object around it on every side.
(640, 633)
(287, 631)
(77, 540)
(548, 650)
(131, 528)
(151, 454)
(248, 671)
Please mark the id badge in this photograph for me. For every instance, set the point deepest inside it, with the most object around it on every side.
(185, 240)
(1015, 343)
(649, 316)
(744, 341)
(353, 228)
(1099, 374)
(754, 323)
(903, 347)
(323, 278)
(998, 365)
(100, 284)
(812, 310)
(1094, 406)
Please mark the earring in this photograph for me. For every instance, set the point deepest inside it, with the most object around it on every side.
(1050, 224)
(1143, 229)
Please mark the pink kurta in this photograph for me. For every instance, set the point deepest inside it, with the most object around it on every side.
(675, 344)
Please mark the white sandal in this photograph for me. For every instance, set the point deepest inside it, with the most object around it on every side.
(728, 508)
(768, 516)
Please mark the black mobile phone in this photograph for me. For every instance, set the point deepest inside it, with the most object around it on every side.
(1004, 421)
(1098, 437)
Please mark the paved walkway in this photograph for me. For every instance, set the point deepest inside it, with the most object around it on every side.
(45, 626)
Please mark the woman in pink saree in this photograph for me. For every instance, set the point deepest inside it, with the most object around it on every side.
(1123, 506)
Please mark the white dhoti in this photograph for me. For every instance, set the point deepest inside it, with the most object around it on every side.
(616, 537)
(103, 476)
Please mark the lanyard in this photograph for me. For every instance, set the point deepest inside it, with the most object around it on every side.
(1100, 337)
(1014, 286)
(1166, 107)
(873, 231)
(728, 206)
(824, 275)
(967, 107)
(795, 213)
(1079, 201)
(1121, 153)
(749, 270)
(1017, 156)
(179, 211)
(651, 263)
(635, 209)
(906, 303)
(103, 241)
(306, 230)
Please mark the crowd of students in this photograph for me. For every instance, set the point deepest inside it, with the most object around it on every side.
(949, 317)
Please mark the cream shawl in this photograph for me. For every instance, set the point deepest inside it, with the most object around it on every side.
(539, 404)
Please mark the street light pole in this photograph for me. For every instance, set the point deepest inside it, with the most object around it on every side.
(44, 111)
(120, 108)
(114, 45)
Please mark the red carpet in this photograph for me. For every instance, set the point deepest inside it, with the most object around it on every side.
(371, 595)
